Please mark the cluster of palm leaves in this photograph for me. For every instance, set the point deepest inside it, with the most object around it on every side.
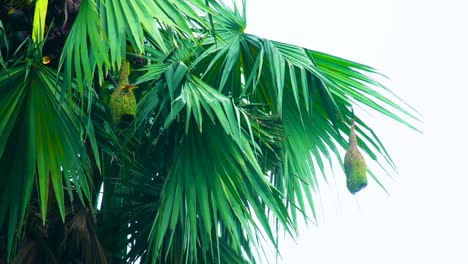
(230, 135)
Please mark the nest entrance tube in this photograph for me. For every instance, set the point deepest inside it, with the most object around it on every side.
(125, 121)
(127, 118)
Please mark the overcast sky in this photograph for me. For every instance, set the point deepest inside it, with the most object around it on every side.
(422, 46)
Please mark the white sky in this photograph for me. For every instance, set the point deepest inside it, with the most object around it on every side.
(422, 46)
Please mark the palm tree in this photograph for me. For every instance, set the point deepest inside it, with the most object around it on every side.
(160, 131)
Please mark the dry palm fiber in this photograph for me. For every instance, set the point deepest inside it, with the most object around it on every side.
(354, 165)
(122, 102)
(81, 242)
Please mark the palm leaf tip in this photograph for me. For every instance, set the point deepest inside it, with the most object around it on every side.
(354, 165)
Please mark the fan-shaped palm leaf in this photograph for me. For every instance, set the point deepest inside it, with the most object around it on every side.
(98, 38)
(40, 143)
(231, 134)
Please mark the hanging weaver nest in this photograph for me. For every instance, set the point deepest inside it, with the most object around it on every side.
(354, 165)
(122, 103)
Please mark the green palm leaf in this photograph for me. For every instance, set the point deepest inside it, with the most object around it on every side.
(194, 181)
(216, 191)
(98, 38)
(231, 136)
(40, 144)
(39, 21)
(315, 90)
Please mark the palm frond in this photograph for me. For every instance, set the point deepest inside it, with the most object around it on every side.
(355, 81)
(98, 39)
(81, 241)
(86, 49)
(40, 144)
(40, 11)
(231, 137)
(215, 189)
(315, 92)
